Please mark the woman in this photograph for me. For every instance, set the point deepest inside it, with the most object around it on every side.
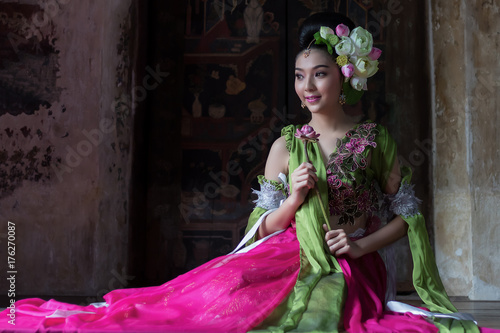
(353, 166)
(311, 263)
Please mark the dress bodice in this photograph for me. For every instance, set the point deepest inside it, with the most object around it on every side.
(352, 189)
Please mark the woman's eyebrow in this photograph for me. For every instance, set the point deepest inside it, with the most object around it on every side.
(315, 67)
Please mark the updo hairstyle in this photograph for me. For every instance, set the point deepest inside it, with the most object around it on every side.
(313, 23)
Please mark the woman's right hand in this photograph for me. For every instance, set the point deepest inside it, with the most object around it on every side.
(303, 179)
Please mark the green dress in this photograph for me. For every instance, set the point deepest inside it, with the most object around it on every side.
(317, 300)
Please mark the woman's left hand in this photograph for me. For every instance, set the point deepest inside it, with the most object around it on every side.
(339, 243)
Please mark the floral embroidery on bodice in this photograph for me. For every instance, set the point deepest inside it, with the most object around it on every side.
(350, 192)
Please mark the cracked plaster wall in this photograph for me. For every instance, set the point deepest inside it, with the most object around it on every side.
(65, 160)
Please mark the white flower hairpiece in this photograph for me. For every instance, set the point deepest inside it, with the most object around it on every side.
(356, 56)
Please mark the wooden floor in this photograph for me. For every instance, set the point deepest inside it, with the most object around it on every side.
(486, 313)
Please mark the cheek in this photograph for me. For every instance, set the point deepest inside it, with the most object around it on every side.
(336, 83)
(337, 75)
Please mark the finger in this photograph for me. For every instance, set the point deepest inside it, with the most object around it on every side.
(310, 167)
(340, 234)
(334, 248)
(305, 165)
(300, 178)
(305, 180)
(301, 173)
(332, 234)
(336, 244)
(305, 169)
(312, 173)
(343, 250)
(306, 184)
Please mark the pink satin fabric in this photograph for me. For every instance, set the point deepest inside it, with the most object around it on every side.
(228, 294)
(364, 308)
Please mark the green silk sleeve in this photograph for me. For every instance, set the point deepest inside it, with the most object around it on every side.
(254, 217)
(384, 156)
(259, 211)
(426, 279)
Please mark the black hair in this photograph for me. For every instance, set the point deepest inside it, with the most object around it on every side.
(313, 23)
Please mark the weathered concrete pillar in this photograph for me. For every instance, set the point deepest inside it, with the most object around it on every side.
(465, 67)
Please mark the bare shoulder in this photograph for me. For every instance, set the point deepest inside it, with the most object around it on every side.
(277, 161)
(279, 145)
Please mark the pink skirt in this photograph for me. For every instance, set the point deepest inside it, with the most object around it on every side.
(233, 293)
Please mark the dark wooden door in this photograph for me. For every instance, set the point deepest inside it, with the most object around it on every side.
(228, 94)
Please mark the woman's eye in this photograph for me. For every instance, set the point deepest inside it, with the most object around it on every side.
(298, 76)
(320, 74)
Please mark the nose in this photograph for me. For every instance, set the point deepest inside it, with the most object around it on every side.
(309, 86)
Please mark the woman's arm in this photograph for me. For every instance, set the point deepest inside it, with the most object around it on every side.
(302, 179)
(340, 244)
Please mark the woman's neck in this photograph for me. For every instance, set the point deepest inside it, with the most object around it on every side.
(332, 122)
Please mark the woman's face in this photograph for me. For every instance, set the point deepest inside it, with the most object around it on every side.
(317, 80)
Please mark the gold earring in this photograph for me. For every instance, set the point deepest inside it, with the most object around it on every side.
(303, 105)
(342, 98)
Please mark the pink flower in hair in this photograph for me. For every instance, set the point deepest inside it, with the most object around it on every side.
(374, 53)
(347, 70)
(342, 30)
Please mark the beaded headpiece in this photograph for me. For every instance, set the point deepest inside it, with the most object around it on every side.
(356, 57)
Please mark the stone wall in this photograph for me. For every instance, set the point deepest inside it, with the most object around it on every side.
(65, 157)
(464, 41)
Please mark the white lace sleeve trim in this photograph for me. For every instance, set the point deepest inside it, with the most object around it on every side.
(256, 226)
(269, 197)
